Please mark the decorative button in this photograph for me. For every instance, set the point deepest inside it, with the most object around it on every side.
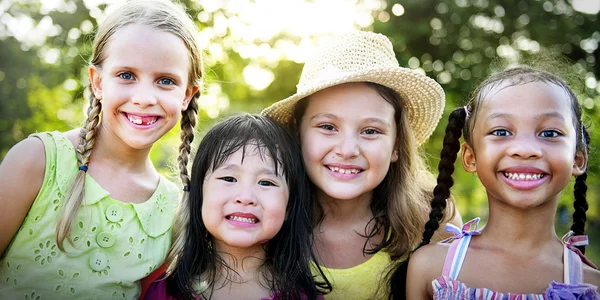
(105, 239)
(114, 213)
(98, 262)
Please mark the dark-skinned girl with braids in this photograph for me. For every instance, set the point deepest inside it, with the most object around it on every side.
(84, 214)
(524, 138)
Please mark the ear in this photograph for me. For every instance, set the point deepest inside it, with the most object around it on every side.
(395, 155)
(189, 94)
(580, 163)
(95, 81)
(468, 158)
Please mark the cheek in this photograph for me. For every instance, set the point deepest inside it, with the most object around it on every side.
(277, 209)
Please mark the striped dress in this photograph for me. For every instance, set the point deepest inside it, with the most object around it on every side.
(447, 287)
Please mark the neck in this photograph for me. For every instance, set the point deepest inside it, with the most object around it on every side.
(246, 262)
(111, 151)
(343, 211)
(522, 228)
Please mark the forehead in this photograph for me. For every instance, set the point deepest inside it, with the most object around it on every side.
(250, 153)
(142, 45)
(350, 99)
(526, 99)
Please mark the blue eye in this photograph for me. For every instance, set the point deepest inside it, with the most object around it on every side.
(125, 76)
(166, 81)
(549, 133)
(228, 179)
(266, 183)
(500, 132)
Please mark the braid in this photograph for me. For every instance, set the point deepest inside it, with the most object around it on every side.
(580, 203)
(188, 123)
(456, 122)
(441, 192)
(75, 195)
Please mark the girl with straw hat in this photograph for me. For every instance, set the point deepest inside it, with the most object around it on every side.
(361, 118)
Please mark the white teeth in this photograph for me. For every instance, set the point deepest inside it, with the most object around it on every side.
(135, 119)
(344, 171)
(242, 219)
(138, 120)
(523, 176)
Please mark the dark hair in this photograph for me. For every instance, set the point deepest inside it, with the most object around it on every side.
(288, 254)
(459, 123)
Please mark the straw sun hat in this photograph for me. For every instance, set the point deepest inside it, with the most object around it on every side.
(362, 56)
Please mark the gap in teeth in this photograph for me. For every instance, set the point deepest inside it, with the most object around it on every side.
(138, 120)
(523, 176)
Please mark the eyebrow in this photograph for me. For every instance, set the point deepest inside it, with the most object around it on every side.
(324, 115)
(368, 120)
(235, 167)
(549, 115)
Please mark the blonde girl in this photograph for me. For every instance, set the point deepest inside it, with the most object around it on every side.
(84, 213)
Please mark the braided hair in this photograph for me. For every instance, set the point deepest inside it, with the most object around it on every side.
(461, 121)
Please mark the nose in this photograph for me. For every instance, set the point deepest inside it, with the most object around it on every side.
(245, 196)
(348, 146)
(524, 147)
(144, 95)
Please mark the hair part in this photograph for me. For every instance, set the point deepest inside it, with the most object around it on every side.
(161, 15)
(288, 254)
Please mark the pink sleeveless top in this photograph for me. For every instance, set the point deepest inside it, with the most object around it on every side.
(447, 286)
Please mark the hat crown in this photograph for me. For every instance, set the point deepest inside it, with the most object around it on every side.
(348, 54)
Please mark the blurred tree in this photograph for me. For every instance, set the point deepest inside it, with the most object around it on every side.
(460, 42)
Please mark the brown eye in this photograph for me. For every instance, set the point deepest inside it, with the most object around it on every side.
(327, 127)
(228, 179)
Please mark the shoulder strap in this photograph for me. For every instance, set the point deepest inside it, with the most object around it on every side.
(572, 267)
(456, 257)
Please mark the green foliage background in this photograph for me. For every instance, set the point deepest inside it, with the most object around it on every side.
(457, 42)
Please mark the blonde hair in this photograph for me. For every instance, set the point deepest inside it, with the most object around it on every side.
(162, 15)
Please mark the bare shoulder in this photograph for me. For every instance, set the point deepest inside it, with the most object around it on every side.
(73, 136)
(21, 177)
(425, 265)
(27, 155)
(591, 275)
(430, 257)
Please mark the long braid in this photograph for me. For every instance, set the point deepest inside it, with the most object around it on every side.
(75, 195)
(441, 192)
(188, 123)
(580, 202)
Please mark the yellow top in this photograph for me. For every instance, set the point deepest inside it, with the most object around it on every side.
(364, 281)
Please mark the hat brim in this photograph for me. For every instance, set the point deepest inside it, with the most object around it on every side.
(422, 97)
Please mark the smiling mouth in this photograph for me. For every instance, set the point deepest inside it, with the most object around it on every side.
(142, 120)
(523, 176)
(344, 171)
(242, 219)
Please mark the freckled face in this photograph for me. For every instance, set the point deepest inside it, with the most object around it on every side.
(348, 134)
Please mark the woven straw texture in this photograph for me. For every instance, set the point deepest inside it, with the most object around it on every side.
(362, 56)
